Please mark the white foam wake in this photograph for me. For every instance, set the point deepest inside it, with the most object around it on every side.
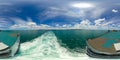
(43, 47)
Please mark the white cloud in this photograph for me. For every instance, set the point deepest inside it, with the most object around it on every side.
(30, 26)
(99, 21)
(102, 22)
(84, 24)
(66, 26)
(83, 5)
(114, 10)
(23, 25)
(107, 23)
(99, 24)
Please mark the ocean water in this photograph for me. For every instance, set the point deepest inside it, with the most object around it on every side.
(55, 44)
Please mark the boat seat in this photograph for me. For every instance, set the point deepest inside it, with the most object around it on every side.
(3, 46)
(117, 47)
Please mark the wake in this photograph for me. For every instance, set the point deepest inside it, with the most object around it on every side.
(44, 46)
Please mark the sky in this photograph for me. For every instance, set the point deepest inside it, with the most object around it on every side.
(59, 14)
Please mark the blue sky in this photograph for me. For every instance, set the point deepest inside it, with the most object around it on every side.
(58, 14)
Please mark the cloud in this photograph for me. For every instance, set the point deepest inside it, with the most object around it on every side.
(83, 5)
(85, 22)
(51, 11)
(114, 10)
(30, 26)
(4, 23)
(100, 24)
(70, 11)
(99, 21)
(103, 23)
(107, 23)
(25, 25)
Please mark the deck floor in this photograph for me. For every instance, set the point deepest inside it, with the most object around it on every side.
(98, 44)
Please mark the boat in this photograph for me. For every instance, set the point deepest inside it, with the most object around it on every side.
(106, 46)
(9, 44)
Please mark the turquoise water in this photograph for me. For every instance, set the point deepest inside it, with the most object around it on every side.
(112, 35)
(55, 44)
(7, 39)
(75, 39)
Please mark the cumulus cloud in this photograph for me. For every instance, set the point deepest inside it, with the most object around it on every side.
(99, 24)
(84, 24)
(114, 10)
(24, 25)
(99, 21)
(30, 26)
(102, 22)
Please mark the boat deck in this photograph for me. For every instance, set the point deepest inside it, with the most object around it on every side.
(105, 44)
